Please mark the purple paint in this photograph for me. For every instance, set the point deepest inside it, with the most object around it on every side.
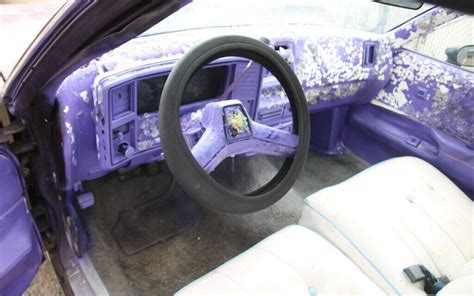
(436, 93)
(236, 133)
(21, 251)
(334, 70)
(330, 63)
(326, 130)
(84, 95)
(402, 34)
(376, 134)
(421, 25)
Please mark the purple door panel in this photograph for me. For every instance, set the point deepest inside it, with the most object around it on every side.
(433, 92)
(20, 248)
(425, 110)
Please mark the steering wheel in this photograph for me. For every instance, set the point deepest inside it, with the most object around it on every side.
(229, 130)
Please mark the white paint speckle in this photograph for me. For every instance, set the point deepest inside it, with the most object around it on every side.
(69, 131)
(196, 115)
(443, 89)
(74, 159)
(85, 96)
(66, 109)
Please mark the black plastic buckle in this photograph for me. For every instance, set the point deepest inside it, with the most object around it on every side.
(418, 273)
(414, 273)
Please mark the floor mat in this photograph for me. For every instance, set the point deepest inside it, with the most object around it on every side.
(155, 221)
(167, 266)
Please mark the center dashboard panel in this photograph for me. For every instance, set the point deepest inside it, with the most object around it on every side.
(127, 103)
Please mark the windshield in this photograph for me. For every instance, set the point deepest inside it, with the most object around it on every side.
(354, 14)
(20, 23)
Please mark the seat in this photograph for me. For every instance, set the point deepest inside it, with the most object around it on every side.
(459, 286)
(293, 261)
(398, 213)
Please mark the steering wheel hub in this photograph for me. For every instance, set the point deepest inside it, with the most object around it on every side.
(231, 131)
(237, 122)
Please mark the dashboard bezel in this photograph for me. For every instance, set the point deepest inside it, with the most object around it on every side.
(106, 83)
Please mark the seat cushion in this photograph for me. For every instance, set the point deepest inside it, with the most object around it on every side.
(393, 215)
(293, 261)
(460, 286)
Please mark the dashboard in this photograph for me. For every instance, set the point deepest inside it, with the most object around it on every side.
(127, 105)
(109, 107)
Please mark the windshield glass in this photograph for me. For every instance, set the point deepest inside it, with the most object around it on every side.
(20, 23)
(354, 14)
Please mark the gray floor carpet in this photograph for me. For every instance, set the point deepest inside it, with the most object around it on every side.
(166, 267)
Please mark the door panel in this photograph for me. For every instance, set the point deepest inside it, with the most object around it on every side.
(426, 110)
(433, 92)
(20, 247)
(375, 134)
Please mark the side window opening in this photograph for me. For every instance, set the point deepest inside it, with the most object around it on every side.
(450, 42)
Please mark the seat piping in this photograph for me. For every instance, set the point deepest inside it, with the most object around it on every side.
(384, 277)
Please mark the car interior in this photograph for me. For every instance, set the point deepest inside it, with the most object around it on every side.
(256, 156)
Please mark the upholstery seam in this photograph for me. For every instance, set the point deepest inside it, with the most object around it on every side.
(346, 237)
(286, 263)
(409, 230)
(217, 269)
(4, 215)
(424, 248)
(232, 280)
(445, 232)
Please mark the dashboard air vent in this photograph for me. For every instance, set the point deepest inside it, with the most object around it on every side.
(370, 54)
(121, 100)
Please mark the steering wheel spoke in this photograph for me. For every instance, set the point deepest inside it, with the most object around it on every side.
(208, 151)
(272, 141)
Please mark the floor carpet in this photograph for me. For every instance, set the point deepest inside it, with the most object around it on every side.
(167, 266)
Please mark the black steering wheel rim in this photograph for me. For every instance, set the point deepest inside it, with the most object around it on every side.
(182, 164)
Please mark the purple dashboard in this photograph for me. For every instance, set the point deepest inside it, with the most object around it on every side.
(109, 107)
(127, 104)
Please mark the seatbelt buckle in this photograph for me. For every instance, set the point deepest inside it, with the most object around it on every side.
(415, 273)
(432, 285)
